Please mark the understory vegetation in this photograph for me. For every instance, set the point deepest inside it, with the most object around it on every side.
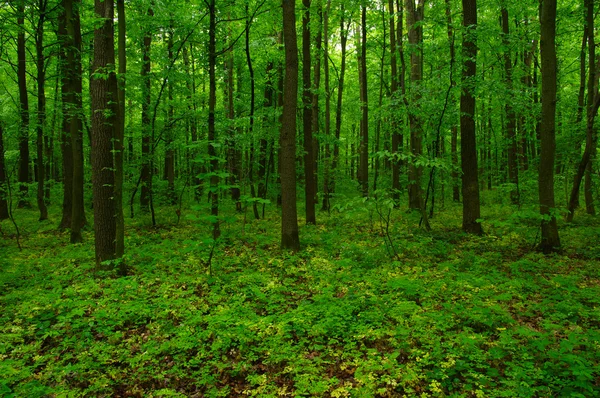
(359, 311)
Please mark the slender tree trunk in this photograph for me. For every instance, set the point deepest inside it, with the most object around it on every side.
(287, 142)
(170, 151)
(146, 171)
(67, 111)
(454, 126)
(511, 129)
(550, 240)
(363, 175)
(468, 145)
(119, 141)
(251, 123)
(414, 18)
(103, 90)
(4, 213)
(23, 176)
(41, 109)
(309, 172)
(338, 113)
(315, 100)
(593, 100)
(212, 135)
(327, 169)
(380, 101)
(394, 118)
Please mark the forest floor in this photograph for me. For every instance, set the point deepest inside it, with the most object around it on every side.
(448, 315)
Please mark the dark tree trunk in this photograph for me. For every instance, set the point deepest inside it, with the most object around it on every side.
(327, 168)
(41, 109)
(146, 171)
(309, 172)
(414, 18)
(315, 102)
(550, 240)
(103, 90)
(468, 145)
(251, 122)
(287, 142)
(23, 176)
(363, 174)
(119, 141)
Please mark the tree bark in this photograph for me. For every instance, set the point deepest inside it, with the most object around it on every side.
(212, 135)
(454, 126)
(468, 145)
(119, 142)
(309, 171)
(41, 109)
(103, 90)
(338, 113)
(550, 240)
(363, 175)
(327, 169)
(23, 176)
(511, 129)
(289, 221)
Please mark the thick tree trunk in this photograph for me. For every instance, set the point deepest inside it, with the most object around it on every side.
(550, 240)
(414, 18)
(468, 145)
(103, 90)
(309, 171)
(287, 142)
(23, 176)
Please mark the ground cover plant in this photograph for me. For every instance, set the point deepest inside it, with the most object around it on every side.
(451, 315)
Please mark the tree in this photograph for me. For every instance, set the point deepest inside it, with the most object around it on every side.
(41, 106)
(550, 240)
(4, 213)
(103, 91)
(593, 100)
(307, 97)
(212, 103)
(147, 139)
(287, 142)
(119, 141)
(23, 108)
(363, 173)
(468, 145)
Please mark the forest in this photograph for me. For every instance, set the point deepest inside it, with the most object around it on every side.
(362, 198)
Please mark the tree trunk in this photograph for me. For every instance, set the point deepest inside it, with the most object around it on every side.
(23, 108)
(212, 135)
(363, 175)
(41, 109)
(327, 169)
(468, 145)
(309, 172)
(593, 98)
(395, 123)
(315, 101)
(340, 91)
(287, 142)
(454, 128)
(4, 213)
(119, 142)
(169, 150)
(550, 240)
(103, 90)
(146, 171)
(511, 130)
(414, 18)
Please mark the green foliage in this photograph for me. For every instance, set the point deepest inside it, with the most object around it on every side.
(452, 315)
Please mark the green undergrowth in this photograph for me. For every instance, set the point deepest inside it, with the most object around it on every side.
(449, 316)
